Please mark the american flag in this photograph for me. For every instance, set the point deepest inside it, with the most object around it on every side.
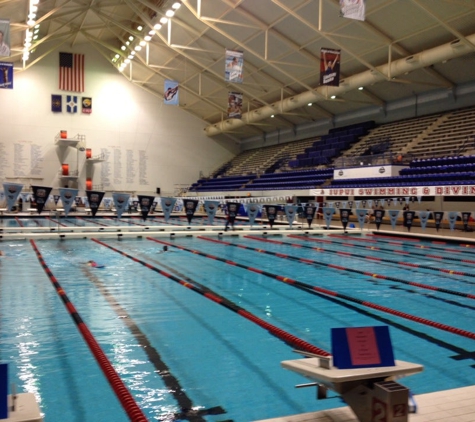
(71, 72)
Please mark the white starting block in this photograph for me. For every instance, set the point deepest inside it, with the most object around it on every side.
(23, 409)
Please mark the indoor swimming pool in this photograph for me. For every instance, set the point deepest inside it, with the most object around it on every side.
(175, 324)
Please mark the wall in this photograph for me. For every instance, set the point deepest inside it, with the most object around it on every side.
(147, 144)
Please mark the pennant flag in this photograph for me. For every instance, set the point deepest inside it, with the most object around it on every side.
(121, 202)
(423, 217)
(6, 75)
(71, 72)
(234, 105)
(408, 219)
(94, 198)
(71, 104)
(310, 211)
(345, 217)
(330, 67)
(56, 103)
(40, 196)
(271, 212)
(4, 391)
(378, 217)
(465, 219)
(86, 105)
(5, 38)
(56, 199)
(438, 216)
(170, 93)
(68, 198)
(452, 219)
(290, 213)
(253, 211)
(353, 9)
(328, 215)
(190, 206)
(234, 63)
(393, 215)
(167, 206)
(145, 203)
(361, 214)
(211, 207)
(12, 191)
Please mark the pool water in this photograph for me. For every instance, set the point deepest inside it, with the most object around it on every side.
(176, 350)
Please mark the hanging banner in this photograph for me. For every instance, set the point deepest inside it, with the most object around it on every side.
(167, 206)
(378, 217)
(345, 217)
(452, 219)
(6, 75)
(234, 63)
(310, 211)
(210, 208)
(71, 103)
(393, 215)
(121, 202)
(353, 9)
(253, 211)
(465, 219)
(271, 212)
(3, 391)
(5, 38)
(68, 198)
(234, 105)
(56, 199)
(438, 216)
(361, 215)
(190, 206)
(328, 215)
(408, 219)
(40, 196)
(329, 67)
(232, 209)
(86, 104)
(12, 191)
(170, 93)
(423, 217)
(94, 199)
(145, 203)
(290, 213)
(56, 103)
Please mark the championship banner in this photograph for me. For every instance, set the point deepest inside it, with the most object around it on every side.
(290, 213)
(330, 67)
(190, 206)
(408, 219)
(423, 217)
(271, 212)
(345, 217)
(361, 215)
(233, 209)
(121, 202)
(465, 218)
(145, 203)
(167, 206)
(68, 198)
(94, 198)
(170, 93)
(378, 217)
(328, 215)
(234, 105)
(234, 63)
(4, 37)
(310, 211)
(438, 216)
(252, 212)
(6, 75)
(353, 9)
(452, 219)
(40, 196)
(393, 215)
(12, 191)
(211, 207)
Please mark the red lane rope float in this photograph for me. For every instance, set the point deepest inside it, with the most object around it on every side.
(126, 399)
(308, 287)
(95, 222)
(209, 294)
(56, 222)
(443, 270)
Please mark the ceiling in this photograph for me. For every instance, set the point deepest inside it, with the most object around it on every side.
(403, 48)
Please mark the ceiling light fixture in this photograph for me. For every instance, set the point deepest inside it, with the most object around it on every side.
(333, 97)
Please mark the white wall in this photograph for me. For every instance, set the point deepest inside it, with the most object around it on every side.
(127, 123)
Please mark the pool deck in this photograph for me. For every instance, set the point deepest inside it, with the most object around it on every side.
(456, 405)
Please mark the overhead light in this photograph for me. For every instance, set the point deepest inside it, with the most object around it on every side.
(157, 26)
(143, 43)
(360, 88)
(117, 56)
(163, 20)
(32, 15)
(35, 37)
(130, 56)
(139, 28)
(152, 33)
(310, 104)
(138, 48)
(30, 22)
(127, 43)
(132, 53)
(169, 13)
(127, 61)
(333, 97)
(272, 116)
(147, 38)
(34, 8)
(176, 5)
(123, 48)
(131, 38)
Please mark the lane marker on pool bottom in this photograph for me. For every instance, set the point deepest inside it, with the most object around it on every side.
(209, 294)
(123, 394)
(308, 287)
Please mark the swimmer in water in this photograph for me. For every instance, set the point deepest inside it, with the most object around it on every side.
(92, 263)
(165, 249)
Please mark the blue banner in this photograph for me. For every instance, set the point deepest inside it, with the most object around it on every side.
(361, 214)
(6, 75)
(167, 206)
(170, 94)
(12, 191)
(290, 213)
(121, 202)
(3, 391)
(393, 215)
(71, 104)
(211, 207)
(252, 212)
(68, 198)
(423, 217)
(328, 215)
(452, 219)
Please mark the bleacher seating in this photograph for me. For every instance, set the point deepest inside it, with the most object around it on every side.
(303, 179)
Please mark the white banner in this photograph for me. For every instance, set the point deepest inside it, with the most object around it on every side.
(456, 190)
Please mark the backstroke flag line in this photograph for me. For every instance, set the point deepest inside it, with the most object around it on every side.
(330, 67)
(353, 9)
(71, 72)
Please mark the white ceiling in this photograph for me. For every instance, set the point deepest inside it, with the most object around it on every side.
(281, 41)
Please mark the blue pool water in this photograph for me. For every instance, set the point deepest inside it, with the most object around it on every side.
(176, 349)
